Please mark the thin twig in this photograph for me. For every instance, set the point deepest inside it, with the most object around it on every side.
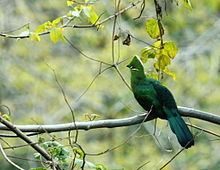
(168, 162)
(126, 140)
(25, 159)
(123, 79)
(142, 10)
(131, 5)
(113, 30)
(203, 130)
(141, 166)
(6, 157)
(93, 80)
(84, 55)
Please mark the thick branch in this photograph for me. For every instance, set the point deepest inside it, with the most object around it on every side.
(112, 123)
(25, 138)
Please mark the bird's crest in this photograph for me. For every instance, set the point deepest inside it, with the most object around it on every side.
(135, 64)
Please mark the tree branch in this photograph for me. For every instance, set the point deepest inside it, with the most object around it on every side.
(131, 5)
(25, 138)
(111, 123)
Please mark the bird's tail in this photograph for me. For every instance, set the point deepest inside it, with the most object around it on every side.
(179, 127)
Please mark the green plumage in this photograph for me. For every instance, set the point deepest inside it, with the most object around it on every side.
(157, 99)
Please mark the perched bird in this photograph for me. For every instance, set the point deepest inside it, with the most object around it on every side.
(159, 101)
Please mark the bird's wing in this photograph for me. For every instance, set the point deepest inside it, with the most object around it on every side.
(164, 96)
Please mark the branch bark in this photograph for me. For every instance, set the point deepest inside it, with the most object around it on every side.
(111, 123)
(25, 138)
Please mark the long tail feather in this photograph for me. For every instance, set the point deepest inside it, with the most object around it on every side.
(179, 127)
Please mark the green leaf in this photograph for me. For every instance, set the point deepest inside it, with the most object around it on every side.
(147, 53)
(69, 2)
(38, 168)
(152, 28)
(157, 45)
(6, 117)
(44, 27)
(170, 49)
(78, 151)
(162, 62)
(56, 34)
(153, 75)
(57, 21)
(187, 4)
(91, 14)
(34, 36)
(170, 73)
(56, 149)
(100, 167)
(37, 155)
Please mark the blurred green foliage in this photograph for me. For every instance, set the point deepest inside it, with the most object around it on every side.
(28, 87)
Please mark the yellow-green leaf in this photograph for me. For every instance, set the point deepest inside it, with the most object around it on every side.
(153, 75)
(91, 14)
(147, 53)
(170, 73)
(187, 4)
(56, 34)
(170, 49)
(34, 36)
(78, 151)
(152, 28)
(6, 117)
(157, 45)
(100, 167)
(57, 21)
(44, 27)
(69, 2)
(91, 116)
(162, 62)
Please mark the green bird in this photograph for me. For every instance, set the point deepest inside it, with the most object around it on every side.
(159, 101)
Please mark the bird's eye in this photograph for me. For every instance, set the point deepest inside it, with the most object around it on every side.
(134, 69)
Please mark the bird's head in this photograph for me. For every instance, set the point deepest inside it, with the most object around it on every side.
(136, 64)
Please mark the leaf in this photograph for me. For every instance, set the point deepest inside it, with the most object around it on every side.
(56, 34)
(100, 167)
(170, 73)
(44, 27)
(147, 53)
(69, 2)
(157, 45)
(79, 152)
(91, 14)
(38, 168)
(127, 41)
(75, 13)
(162, 62)
(153, 75)
(37, 155)
(91, 116)
(57, 21)
(152, 28)
(6, 117)
(170, 49)
(187, 4)
(34, 36)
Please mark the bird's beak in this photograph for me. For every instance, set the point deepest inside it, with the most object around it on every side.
(129, 66)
